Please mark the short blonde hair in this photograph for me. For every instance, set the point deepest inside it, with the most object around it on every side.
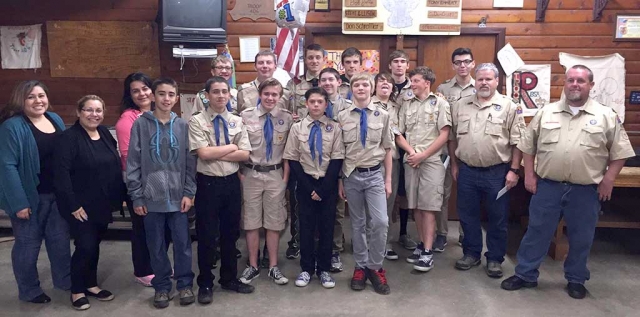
(220, 59)
(361, 77)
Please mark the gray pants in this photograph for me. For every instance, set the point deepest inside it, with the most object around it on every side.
(367, 189)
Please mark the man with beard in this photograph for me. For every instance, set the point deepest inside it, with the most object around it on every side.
(487, 126)
(580, 147)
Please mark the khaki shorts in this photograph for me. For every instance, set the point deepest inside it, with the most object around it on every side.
(425, 184)
(264, 203)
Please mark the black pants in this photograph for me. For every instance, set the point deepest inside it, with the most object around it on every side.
(139, 249)
(294, 225)
(218, 204)
(84, 261)
(316, 216)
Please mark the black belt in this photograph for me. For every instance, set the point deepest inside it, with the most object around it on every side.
(264, 168)
(368, 169)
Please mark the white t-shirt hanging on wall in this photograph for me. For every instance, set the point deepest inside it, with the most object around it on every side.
(20, 46)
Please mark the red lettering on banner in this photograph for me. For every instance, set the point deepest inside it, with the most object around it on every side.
(522, 83)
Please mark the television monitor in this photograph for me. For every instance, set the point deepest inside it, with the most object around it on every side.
(199, 21)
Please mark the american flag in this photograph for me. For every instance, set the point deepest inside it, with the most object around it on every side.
(287, 49)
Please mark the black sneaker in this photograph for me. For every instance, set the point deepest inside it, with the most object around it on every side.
(186, 297)
(415, 256)
(40, 299)
(515, 283)
(205, 295)
(577, 291)
(440, 243)
(249, 274)
(293, 252)
(81, 303)
(425, 263)
(238, 287)
(161, 300)
(359, 279)
(379, 281)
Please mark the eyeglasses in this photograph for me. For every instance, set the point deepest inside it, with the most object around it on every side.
(227, 68)
(95, 111)
(466, 62)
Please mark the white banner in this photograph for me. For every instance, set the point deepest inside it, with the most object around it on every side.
(187, 106)
(608, 73)
(530, 85)
(20, 46)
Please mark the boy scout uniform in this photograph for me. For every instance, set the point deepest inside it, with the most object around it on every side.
(453, 92)
(294, 99)
(345, 88)
(263, 186)
(572, 153)
(338, 104)
(421, 122)
(201, 101)
(364, 182)
(248, 95)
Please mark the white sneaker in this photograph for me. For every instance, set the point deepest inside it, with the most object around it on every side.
(326, 280)
(276, 275)
(303, 279)
(249, 274)
(389, 254)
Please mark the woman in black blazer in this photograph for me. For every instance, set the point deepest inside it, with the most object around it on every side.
(89, 187)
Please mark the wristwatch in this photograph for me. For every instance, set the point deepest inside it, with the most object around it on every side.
(514, 170)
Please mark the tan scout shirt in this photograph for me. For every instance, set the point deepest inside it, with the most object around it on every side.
(485, 133)
(344, 90)
(254, 120)
(452, 91)
(421, 121)
(201, 134)
(297, 148)
(405, 91)
(294, 94)
(378, 137)
(339, 104)
(201, 102)
(393, 109)
(248, 95)
(575, 149)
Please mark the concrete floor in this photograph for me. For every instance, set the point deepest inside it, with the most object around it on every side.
(613, 289)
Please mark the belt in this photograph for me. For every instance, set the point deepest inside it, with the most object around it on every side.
(487, 168)
(264, 168)
(368, 169)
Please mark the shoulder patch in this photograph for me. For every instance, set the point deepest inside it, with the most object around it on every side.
(244, 86)
(447, 81)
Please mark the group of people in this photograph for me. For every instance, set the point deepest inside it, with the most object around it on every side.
(247, 157)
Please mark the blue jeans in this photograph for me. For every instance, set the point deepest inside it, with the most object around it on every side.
(477, 184)
(45, 223)
(178, 223)
(579, 206)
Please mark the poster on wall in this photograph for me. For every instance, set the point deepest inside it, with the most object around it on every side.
(20, 46)
(370, 61)
(608, 75)
(530, 85)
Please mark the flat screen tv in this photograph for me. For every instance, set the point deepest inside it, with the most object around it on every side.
(199, 21)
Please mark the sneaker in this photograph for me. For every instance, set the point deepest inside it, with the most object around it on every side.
(408, 243)
(359, 279)
(379, 281)
(467, 262)
(326, 280)
(494, 269)
(238, 287)
(389, 254)
(186, 297)
(336, 263)
(293, 252)
(264, 262)
(425, 262)
(303, 279)
(249, 274)
(515, 283)
(161, 300)
(81, 303)
(145, 280)
(276, 275)
(415, 256)
(205, 295)
(460, 239)
(440, 243)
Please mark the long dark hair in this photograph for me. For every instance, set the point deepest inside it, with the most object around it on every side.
(388, 78)
(127, 101)
(19, 94)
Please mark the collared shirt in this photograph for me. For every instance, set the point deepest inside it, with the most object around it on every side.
(405, 91)
(453, 92)
(254, 120)
(393, 108)
(422, 120)
(201, 134)
(486, 132)
(378, 137)
(297, 148)
(339, 103)
(248, 95)
(575, 148)
(294, 99)
(201, 102)
(345, 87)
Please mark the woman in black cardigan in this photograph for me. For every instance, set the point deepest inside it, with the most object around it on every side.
(89, 187)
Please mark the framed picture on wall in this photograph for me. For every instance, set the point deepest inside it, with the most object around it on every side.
(627, 27)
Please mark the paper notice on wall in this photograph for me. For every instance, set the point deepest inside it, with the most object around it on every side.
(608, 75)
(509, 59)
(530, 85)
(187, 107)
(370, 61)
(20, 46)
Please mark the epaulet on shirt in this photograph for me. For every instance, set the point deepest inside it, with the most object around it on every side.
(244, 86)
(196, 113)
(447, 81)
(296, 80)
(283, 110)
(347, 100)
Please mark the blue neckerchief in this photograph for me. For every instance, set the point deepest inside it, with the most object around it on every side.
(315, 141)
(216, 128)
(268, 135)
(363, 125)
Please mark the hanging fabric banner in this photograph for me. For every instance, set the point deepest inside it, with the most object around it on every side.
(530, 85)
(20, 46)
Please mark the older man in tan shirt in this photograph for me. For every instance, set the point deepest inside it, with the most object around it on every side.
(580, 147)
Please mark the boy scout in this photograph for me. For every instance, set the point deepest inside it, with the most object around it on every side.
(265, 66)
(367, 140)
(330, 81)
(223, 67)
(315, 153)
(461, 85)
(486, 129)
(351, 60)
(580, 147)
(265, 178)
(220, 141)
(425, 119)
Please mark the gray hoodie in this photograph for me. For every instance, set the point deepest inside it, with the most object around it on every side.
(160, 169)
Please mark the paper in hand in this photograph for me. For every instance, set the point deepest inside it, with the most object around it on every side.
(501, 193)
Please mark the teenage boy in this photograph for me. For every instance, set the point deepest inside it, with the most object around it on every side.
(221, 66)
(265, 179)
(220, 141)
(265, 66)
(367, 140)
(315, 153)
(461, 85)
(398, 65)
(161, 183)
(425, 120)
(351, 59)
(330, 82)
